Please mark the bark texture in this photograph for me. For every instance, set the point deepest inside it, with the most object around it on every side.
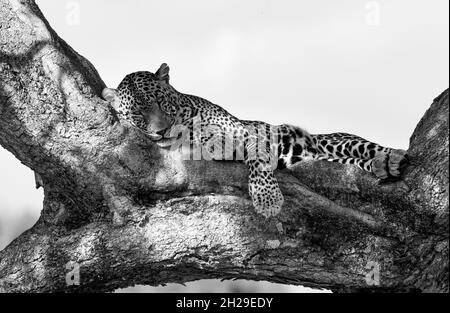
(130, 213)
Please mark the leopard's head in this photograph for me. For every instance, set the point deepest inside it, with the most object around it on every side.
(145, 96)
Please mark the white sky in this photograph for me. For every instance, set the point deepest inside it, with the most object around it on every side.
(370, 68)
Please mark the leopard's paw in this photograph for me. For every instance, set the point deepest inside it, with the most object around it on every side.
(379, 166)
(390, 165)
(398, 160)
(266, 200)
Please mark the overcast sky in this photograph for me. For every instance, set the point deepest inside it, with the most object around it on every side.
(370, 68)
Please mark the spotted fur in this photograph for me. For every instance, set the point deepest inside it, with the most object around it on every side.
(151, 104)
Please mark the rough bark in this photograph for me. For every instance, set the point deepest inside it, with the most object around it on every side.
(130, 213)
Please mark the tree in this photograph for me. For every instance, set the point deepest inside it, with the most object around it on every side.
(120, 211)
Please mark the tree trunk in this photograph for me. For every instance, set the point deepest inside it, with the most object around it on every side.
(125, 212)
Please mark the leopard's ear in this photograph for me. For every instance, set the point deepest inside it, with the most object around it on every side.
(163, 73)
(112, 97)
(109, 94)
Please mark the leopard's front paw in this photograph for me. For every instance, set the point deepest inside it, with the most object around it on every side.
(266, 200)
(390, 165)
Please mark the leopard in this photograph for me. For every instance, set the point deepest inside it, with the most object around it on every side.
(149, 103)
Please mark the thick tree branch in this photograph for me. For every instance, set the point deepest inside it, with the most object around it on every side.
(131, 213)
